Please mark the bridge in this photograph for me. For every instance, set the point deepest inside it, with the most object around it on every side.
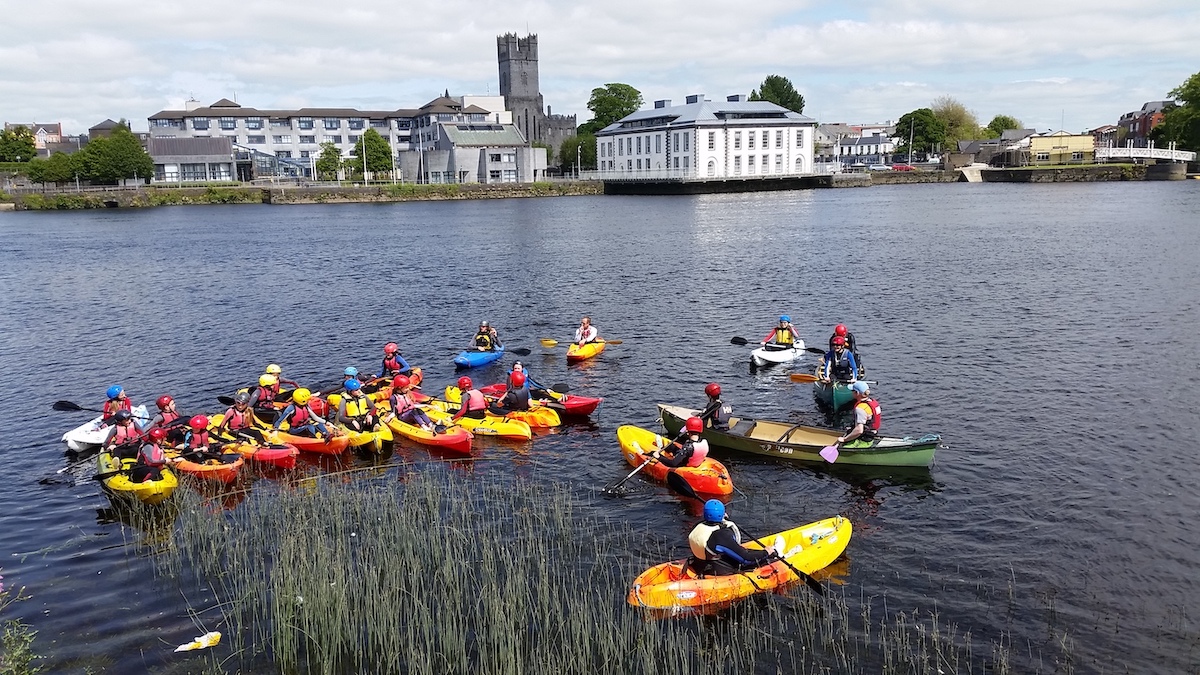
(1130, 152)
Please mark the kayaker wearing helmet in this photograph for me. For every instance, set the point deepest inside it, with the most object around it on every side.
(839, 363)
(717, 547)
(239, 419)
(356, 410)
(151, 459)
(716, 413)
(123, 435)
(393, 363)
(586, 332)
(473, 403)
(404, 408)
(263, 397)
(867, 418)
(486, 339)
(841, 331)
(274, 369)
(196, 442)
(167, 414)
(536, 390)
(516, 396)
(301, 420)
(117, 400)
(690, 450)
(784, 334)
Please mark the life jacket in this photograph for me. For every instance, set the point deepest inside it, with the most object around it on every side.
(275, 389)
(521, 394)
(266, 397)
(126, 433)
(152, 455)
(197, 440)
(237, 419)
(785, 336)
(402, 403)
(391, 365)
(483, 340)
(699, 452)
(840, 368)
(720, 416)
(588, 335)
(167, 418)
(698, 539)
(299, 416)
(112, 405)
(474, 399)
(357, 406)
(871, 427)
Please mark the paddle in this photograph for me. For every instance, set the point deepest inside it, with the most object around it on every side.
(109, 474)
(803, 377)
(560, 389)
(609, 489)
(677, 483)
(815, 350)
(68, 406)
(548, 343)
(829, 453)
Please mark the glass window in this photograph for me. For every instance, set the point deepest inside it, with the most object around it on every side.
(639, 165)
(1076, 156)
(737, 165)
(639, 146)
(712, 167)
(687, 139)
(228, 123)
(306, 154)
(493, 157)
(256, 140)
(510, 175)
(658, 143)
(750, 160)
(799, 138)
(356, 124)
(282, 139)
(509, 157)
(220, 171)
(620, 147)
(254, 123)
(1043, 157)
(277, 122)
(379, 124)
(333, 123)
(750, 144)
(306, 123)
(766, 163)
(686, 159)
(308, 139)
(675, 142)
(334, 139)
(629, 164)
(353, 138)
(737, 140)
(283, 153)
(200, 123)
(779, 138)
(778, 163)
(494, 176)
(193, 172)
(676, 161)
(712, 140)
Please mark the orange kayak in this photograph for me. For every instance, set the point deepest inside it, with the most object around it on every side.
(710, 478)
(223, 469)
(329, 445)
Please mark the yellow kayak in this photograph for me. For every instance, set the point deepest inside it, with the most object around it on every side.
(577, 353)
(536, 417)
(374, 438)
(148, 492)
(675, 586)
(496, 427)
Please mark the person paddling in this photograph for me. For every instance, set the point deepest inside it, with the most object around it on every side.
(486, 339)
(150, 458)
(356, 410)
(239, 419)
(473, 403)
(839, 364)
(689, 450)
(123, 435)
(393, 363)
(784, 334)
(586, 332)
(867, 418)
(840, 331)
(717, 547)
(300, 418)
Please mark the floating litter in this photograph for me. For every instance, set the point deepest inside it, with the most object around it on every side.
(206, 640)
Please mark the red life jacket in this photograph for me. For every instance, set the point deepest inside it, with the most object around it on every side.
(871, 427)
(167, 417)
(112, 405)
(391, 365)
(237, 419)
(152, 455)
(126, 433)
(699, 452)
(402, 403)
(299, 417)
(266, 397)
(475, 400)
(275, 389)
(198, 440)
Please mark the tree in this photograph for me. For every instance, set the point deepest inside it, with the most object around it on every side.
(581, 147)
(961, 124)
(58, 169)
(927, 131)
(779, 90)
(329, 161)
(17, 142)
(1181, 120)
(1000, 124)
(115, 158)
(379, 152)
(609, 104)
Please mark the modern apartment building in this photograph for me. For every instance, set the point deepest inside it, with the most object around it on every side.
(705, 139)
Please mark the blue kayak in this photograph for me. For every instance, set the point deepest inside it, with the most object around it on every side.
(473, 358)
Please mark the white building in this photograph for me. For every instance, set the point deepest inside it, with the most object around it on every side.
(702, 139)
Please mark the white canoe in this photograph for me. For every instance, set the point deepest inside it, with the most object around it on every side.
(772, 353)
(91, 435)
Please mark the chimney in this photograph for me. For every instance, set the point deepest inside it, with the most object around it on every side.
(191, 104)
(663, 103)
(736, 98)
(695, 98)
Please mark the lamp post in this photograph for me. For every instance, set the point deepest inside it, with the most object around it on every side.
(578, 154)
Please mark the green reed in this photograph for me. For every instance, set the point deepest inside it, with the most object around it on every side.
(441, 573)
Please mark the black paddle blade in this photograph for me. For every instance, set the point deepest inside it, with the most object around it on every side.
(520, 351)
(225, 400)
(815, 350)
(735, 340)
(66, 405)
(285, 396)
(680, 485)
(560, 389)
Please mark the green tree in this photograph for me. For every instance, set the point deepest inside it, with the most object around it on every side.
(961, 124)
(581, 147)
(60, 169)
(1000, 124)
(329, 161)
(17, 142)
(111, 159)
(609, 104)
(779, 90)
(928, 132)
(1181, 120)
(379, 152)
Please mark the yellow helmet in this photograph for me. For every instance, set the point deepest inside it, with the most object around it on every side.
(267, 380)
(301, 396)
(274, 369)
(334, 399)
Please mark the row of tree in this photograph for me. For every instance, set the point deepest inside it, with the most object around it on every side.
(107, 159)
(1181, 119)
(17, 144)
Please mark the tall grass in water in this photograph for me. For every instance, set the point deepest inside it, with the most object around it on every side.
(441, 574)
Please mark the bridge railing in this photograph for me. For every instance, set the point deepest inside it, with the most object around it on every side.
(1151, 152)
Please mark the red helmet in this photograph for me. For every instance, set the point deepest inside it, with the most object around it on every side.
(164, 401)
(464, 383)
(198, 423)
(518, 379)
(840, 330)
(694, 425)
(157, 435)
(839, 341)
(391, 348)
(401, 381)
(713, 389)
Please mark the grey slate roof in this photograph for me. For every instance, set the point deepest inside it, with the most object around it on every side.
(483, 135)
(707, 113)
(186, 147)
(227, 108)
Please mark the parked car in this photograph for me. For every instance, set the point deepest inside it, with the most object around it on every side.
(879, 167)
(903, 167)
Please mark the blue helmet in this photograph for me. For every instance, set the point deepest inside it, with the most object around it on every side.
(353, 385)
(114, 391)
(861, 387)
(714, 511)
(351, 371)
(786, 318)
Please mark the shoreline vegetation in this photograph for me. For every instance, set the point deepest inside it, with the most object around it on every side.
(300, 193)
(435, 569)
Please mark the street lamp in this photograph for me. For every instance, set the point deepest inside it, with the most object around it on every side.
(578, 154)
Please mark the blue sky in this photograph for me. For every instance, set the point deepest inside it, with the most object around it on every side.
(1076, 64)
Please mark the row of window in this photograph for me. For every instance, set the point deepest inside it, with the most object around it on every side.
(1045, 156)
(302, 123)
(755, 165)
(640, 145)
(192, 172)
(502, 157)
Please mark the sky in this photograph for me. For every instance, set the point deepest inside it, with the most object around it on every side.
(1062, 64)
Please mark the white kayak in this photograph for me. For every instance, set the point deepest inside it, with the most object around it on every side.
(773, 353)
(91, 435)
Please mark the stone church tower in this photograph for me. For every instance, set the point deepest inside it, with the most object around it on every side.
(519, 86)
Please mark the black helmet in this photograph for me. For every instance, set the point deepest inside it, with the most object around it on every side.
(122, 416)
(242, 397)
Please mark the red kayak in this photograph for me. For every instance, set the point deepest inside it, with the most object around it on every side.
(568, 404)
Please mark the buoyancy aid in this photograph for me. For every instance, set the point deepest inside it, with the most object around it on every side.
(786, 335)
(402, 403)
(167, 418)
(299, 416)
(483, 340)
(152, 455)
(125, 434)
(521, 396)
(197, 440)
(699, 452)
(112, 405)
(698, 539)
(266, 397)
(358, 406)
(391, 366)
(871, 427)
(237, 419)
(474, 399)
(840, 368)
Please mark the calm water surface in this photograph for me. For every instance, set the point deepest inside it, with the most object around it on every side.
(1049, 333)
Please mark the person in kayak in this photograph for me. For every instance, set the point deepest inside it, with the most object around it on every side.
(486, 339)
(867, 418)
(717, 547)
(150, 458)
(841, 331)
(239, 419)
(274, 369)
(473, 403)
(586, 332)
(536, 390)
(784, 334)
(123, 435)
(516, 396)
(195, 446)
(839, 364)
(300, 418)
(117, 400)
(393, 363)
(168, 419)
(263, 397)
(404, 408)
(716, 414)
(356, 410)
(687, 450)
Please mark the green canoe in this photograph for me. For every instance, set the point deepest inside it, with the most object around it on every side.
(800, 443)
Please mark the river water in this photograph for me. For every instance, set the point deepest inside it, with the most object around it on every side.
(1048, 332)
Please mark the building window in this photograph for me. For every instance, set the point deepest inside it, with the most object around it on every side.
(658, 143)
(357, 124)
(256, 140)
(168, 123)
(737, 140)
(639, 165)
(509, 157)
(1076, 156)
(494, 157)
(779, 139)
(200, 123)
(334, 139)
(766, 163)
(712, 167)
(737, 165)
(219, 172)
(799, 138)
(379, 124)
(282, 139)
(305, 154)
(1043, 157)
(799, 165)
(750, 145)
(629, 165)
(353, 138)
(193, 172)
(254, 123)
(778, 163)
(712, 140)
(306, 123)
(675, 142)
(510, 175)
(279, 122)
(493, 176)
(750, 159)
(639, 145)
(283, 153)
(686, 141)
(332, 123)
(308, 139)
(676, 160)
(686, 161)
(620, 147)
(228, 123)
